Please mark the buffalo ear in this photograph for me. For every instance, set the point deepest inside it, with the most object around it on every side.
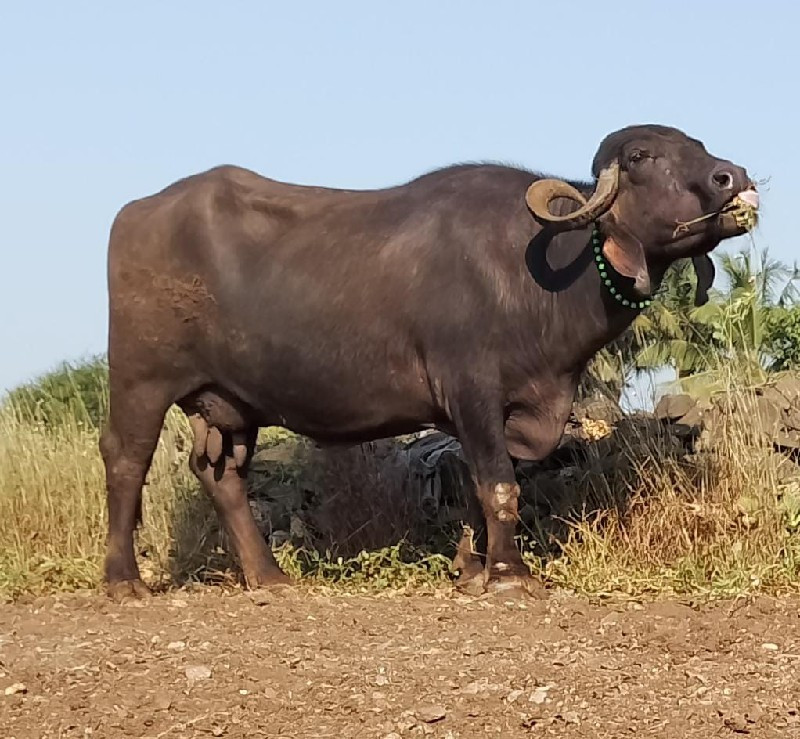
(705, 271)
(626, 255)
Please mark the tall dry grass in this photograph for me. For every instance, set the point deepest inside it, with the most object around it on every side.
(722, 521)
(53, 508)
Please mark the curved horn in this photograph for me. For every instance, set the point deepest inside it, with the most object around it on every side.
(542, 192)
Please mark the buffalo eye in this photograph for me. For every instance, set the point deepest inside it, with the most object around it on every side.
(637, 155)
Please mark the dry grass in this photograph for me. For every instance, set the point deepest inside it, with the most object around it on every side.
(52, 507)
(721, 522)
(366, 501)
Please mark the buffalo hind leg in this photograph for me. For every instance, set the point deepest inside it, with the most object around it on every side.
(220, 461)
(481, 430)
(127, 446)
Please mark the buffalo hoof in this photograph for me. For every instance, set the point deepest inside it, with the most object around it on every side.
(122, 590)
(516, 587)
(271, 578)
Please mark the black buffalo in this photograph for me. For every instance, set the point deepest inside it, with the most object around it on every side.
(469, 299)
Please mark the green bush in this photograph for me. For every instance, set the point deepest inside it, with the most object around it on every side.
(76, 391)
(782, 338)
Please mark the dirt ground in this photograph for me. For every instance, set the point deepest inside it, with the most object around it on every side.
(220, 663)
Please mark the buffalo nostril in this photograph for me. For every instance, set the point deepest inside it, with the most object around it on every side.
(722, 179)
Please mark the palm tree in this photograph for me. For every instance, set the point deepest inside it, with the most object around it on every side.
(763, 275)
(664, 335)
(739, 317)
(673, 332)
(668, 334)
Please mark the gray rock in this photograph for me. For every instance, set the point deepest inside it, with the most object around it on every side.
(768, 415)
(673, 407)
(195, 673)
(430, 714)
(789, 386)
(787, 439)
(598, 409)
(776, 397)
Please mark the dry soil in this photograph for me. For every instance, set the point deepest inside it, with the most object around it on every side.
(221, 663)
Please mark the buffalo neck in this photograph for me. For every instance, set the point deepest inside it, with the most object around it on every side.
(553, 302)
(577, 313)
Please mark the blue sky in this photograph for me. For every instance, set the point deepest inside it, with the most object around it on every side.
(103, 103)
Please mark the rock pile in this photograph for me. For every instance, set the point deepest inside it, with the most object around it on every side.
(771, 413)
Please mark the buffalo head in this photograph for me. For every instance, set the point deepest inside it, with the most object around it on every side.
(659, 196)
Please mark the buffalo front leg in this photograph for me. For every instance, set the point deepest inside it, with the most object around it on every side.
(470, 559)
(220, 461)
(505, 570)
(482, 436)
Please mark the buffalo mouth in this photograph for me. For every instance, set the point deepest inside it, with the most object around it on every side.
(738, 216)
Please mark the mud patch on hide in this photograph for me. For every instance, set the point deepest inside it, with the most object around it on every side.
(189, 298)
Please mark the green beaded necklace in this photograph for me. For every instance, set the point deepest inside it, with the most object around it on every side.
(605, 275)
